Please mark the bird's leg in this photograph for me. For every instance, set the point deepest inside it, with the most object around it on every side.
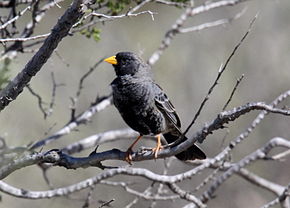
(129, 150)
(158, 146)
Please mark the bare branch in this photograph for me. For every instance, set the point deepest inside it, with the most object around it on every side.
(208, 179)
(61, 29)
(14, 19)
(145, 192)
(245, 174)
(81, 119)
(233, 92)
(110, 18)
(258, 154)
(53, 93)
(129, 14)
(95, 158)
(82, 79)
(283, 199)
(170, 3)
(211, 24)
(6, 188)
(24, 39)
(89, 197)
(39, 99)
(184, 195)
(220, 72)
(145, 195)
(190, 12)
(281, 155)
(260, 182)
(99, 139)
(105, 204)
(54, 155)
(12, 50)
(46, 111)
(231, 115)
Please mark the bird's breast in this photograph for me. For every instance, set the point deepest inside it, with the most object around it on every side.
(135, 102)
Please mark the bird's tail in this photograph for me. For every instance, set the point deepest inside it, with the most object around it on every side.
(192, 153)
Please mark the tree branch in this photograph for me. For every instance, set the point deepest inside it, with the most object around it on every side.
(80, 119)
(258, 154)
(189, 12)
(60, 30)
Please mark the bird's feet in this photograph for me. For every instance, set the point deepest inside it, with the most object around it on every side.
(156, 149)
(128, 157)
(158, 146)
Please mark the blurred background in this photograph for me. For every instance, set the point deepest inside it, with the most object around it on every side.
(186, 70)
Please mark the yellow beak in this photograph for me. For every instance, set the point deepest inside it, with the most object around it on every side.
(111, 60)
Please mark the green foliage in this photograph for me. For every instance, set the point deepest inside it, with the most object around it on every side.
(4, 69)
(114, 7)
(117, 6)
(92, 33)
(180, 1)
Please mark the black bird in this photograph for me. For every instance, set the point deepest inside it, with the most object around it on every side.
(144, 106)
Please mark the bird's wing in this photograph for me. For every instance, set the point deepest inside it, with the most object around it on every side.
(163, 104)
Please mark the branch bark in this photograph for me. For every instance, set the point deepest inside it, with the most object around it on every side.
(60, 30)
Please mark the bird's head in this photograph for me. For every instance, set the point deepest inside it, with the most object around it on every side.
(127, 63)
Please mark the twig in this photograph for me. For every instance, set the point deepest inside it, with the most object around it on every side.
(82, 79)
(145, 192)
(46, 112)
(110, 18)
(190, 12)
(211, 24)
(80, 119)
(53, 93)
(14, 18)
(89, 197)
(167, 164)
(281, 155)
(233, 92)
(145, 195)
(61, 58)
(220, 72)
(170, 3)
(128, 14)
(12, 50)
(98, 139)
(107, 203)
(39, 99)
(208, 179)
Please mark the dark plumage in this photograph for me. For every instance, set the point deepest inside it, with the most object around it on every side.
(143, 104)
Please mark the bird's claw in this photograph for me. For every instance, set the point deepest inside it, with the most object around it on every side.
(128, 157)
(156, 149)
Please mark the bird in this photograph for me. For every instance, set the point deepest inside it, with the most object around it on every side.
(145, 107)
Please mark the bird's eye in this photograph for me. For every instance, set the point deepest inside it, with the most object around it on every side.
(123, 62)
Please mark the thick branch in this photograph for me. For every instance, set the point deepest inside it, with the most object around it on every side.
(94, 159)
(60, 30)
(55, 156)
